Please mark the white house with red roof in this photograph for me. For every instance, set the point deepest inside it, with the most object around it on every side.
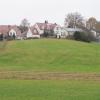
(40, 27)
(32, 33)
(8, 30)
(60, 32)
(14, 30)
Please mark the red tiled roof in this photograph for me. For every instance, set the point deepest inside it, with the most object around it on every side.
(48, 26)
(16, 29)
(4, 29)
(34, 29)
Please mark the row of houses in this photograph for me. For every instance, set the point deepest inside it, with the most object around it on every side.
(36, 31)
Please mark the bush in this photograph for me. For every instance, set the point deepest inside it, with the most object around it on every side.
(48, 33)
(1, 37)
(82, 36)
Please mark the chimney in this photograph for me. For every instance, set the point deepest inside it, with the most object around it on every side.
(46, 22)
(55, 23)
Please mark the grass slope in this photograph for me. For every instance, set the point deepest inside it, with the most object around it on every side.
(50, 55)
(51, 59)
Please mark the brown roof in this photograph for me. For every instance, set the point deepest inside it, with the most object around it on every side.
(4, 29)
(16, 29)
(48, 26)
(34, 29)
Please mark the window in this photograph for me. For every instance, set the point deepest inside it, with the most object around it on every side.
(11, 34)
(35, 31)
(14, 33)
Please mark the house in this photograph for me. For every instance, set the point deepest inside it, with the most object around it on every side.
(32, 33)
(96, 35)
(10, 31)
(14, 31)
(97, 29)
(63, 32)
(60, 32)
(4, 30)
(41, 27)
(71, 31)
(29, 33)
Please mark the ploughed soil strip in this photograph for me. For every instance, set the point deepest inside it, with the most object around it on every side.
(29, 75)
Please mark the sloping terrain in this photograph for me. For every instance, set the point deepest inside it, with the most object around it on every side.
(50, 55)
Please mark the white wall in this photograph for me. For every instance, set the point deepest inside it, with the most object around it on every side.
(12, 32)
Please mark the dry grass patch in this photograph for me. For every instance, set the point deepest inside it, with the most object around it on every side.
(29, 75)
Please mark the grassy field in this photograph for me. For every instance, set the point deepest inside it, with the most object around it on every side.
(49, 90)
(49, 69)
(50, 55)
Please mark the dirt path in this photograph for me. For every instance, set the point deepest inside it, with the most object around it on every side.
(29, 75)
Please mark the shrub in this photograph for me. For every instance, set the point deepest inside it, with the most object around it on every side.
(83, 36)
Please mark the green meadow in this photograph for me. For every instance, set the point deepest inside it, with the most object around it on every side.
(49, 90)
(49, 69)
(50, 55)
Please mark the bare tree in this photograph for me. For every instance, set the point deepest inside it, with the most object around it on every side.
(91, 23)
(73, 20)
(24, 25)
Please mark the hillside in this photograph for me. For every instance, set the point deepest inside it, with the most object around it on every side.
(50, 55)
(49, 69)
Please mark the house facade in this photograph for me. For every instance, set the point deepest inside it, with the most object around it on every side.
(71, 31)
(32, 33)
(10, 31)
(96, 35)
(42, 27)
(14, 31)
(63, 32)
(60, 32)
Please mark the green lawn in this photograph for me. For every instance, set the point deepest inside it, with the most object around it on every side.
(21, 61)
(50, 55)
(49, 90)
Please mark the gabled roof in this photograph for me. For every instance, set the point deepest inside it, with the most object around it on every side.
(34, 29)
(73, 29)
(41, 26)
(4, 29)
(16, 29)
(48, 26)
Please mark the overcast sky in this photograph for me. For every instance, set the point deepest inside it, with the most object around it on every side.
(13, 11)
